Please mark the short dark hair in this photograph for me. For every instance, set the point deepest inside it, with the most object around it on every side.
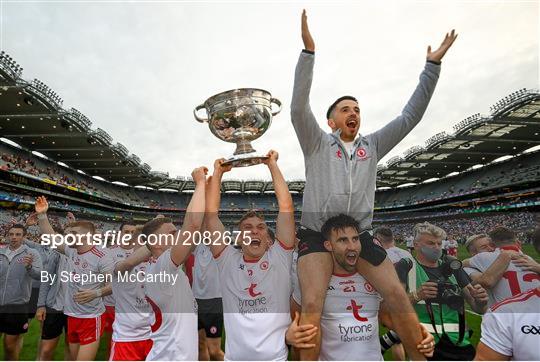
(151, 226)
(126, 223)
(333, 105)
(18, 226)
(339, 222)
(501, 236)
(385, 232)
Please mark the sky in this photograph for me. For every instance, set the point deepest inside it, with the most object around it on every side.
(138, 69)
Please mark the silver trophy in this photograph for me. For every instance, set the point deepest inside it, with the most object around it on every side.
(240, 116)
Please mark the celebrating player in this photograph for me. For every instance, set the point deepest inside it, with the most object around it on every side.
(255, 282)
(352, 310)
(501, 277)
(83, 303)
(174, 330)
(340, 178)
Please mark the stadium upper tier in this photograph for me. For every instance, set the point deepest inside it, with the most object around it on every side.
(31, 116)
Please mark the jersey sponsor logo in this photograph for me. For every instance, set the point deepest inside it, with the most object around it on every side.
(356, 333)
(530, 329)
(355, 309)
(346, 282)
(251, 290)
(241, 266)
(264, 265)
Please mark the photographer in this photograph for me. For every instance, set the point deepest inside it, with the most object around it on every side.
(438, 289)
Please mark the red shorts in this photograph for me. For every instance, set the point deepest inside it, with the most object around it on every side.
(108, 318)
(84, 330)
(130, 351)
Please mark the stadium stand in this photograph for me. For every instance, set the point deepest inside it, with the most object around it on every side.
(489, 163)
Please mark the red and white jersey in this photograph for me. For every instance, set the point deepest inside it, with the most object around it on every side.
(85, 265)
(514, 280)
(512, 327)
(256, 309)
(395, 254)
(205, 274)
(174, 327)
(115, 252)
(133, 315)
(350, 320)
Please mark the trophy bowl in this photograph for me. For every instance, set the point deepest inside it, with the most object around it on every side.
(240, 116)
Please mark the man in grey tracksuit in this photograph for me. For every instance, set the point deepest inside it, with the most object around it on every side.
(19, 265)
(341, 169)
(50, 307)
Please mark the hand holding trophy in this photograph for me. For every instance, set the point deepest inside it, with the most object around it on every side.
(240, 116)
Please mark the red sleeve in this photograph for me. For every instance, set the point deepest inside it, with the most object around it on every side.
(189, 264)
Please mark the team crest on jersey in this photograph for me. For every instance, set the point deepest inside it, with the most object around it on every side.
(361, 153)
(368, 287)
(19, 260)
(264, 265)
(355, 309)
(339, 154)
(84, 265)
(251, 290)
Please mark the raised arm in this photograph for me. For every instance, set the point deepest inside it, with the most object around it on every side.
(391, 134)
(42, 206)
(137, 257)
(212, 222)
(285, 227)
(304, 122)
(494, 272)
(193, 219)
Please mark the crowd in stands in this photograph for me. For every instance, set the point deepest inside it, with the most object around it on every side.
(461, 228)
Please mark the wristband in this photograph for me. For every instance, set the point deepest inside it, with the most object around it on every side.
(98, 292)
(42, 217)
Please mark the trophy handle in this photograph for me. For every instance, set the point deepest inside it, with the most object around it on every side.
(199, 119)
(278, 102)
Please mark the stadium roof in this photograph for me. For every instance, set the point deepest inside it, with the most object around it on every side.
(32, 116)
(512, 127)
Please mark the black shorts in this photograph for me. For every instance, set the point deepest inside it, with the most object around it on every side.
(32, 303)
(313, 242)
(14, 319)
(210, 316)
(55, 322)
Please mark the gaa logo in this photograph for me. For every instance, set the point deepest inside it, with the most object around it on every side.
(264, 265)
(530, 329)
(361, 153)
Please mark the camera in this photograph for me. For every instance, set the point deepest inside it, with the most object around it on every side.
(447, 292)
(387, 340)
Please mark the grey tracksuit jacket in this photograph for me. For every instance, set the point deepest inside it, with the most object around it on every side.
(15, 279)
(48, 294)
(337, 182)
